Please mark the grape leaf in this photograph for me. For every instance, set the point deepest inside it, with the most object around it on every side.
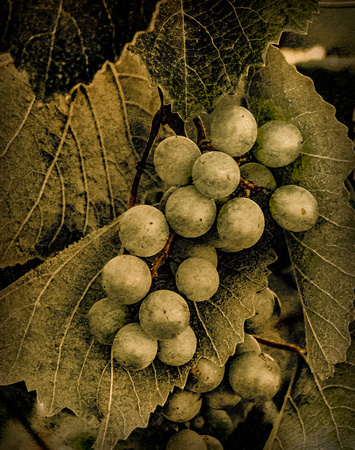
(61, 44)
(317, 414)
(198, 50)
(67, 166)
(323, 257)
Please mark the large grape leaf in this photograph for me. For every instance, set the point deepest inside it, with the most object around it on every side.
(323, 257)
(67, 166)
(61, 44)
(198, 49)
(45, 338)
(318, 414)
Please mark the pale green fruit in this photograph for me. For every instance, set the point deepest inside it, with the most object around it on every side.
(184, 248)
(264, 304)
(222, 397)
(204, 376)
(250, 344)
(211, 442)
(178, 350)
(259, 175)
(186, 440)
(182, 406)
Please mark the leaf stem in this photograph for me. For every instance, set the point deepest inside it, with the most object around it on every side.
(202, 142)
(282, 346)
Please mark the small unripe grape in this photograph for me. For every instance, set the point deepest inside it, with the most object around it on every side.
(250, 344)
(218, 422)
(216, 174)
(178, 350)
(143, 230)
(233, 129)
(222, 397)
(190, 213)
(186, 440)
(105, 318)
(264, 304)
(240, 223)
(164, 199)
(164, 314)
(184, 248)
(174, 158)
(259, 175)
(197, 279)
(126, 278)
(293, 208)
(211, 442)
(133, 348)
(204, 376)
(254, 376)
(278, 143)
(182, 406)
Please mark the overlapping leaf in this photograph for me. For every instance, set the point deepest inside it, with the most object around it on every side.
(67, 166)
(323, 257)
(61, 44)
(198, 50)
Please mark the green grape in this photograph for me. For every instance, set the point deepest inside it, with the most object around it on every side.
(190, 213)
(204, 376)
(218, 423)
(211, 442)
(221, 397)
(174, 158)
(164, 314)
(184, 248)
(105, 318)
(182, 406)
(126, 278)
(259, 175)
(216, 174)
(240, 224)
(254, 376)
(293, 208)
(132, 348)
(250, 344)
(178, 350)
(164, 199)
(197, 279)
(278, 143)
(264, 305)
(233, 129)
(186, 440)
(143, 230)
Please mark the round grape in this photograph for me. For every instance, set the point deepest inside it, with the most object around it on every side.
(178, 350)
(164, 314)
(182, 406)
(132, 348)
(278, 143)
(264, 304)
(222, 397)
(240, 223)
(164, 199)
(143, 230)
(250, 344)
(197, 279)
(293, 208)
(184, 248)
(204, 376)
(174, 158)
(233, 129)
(216, 174)
(211, 442)
(259, 175)
(126, 278)
(186, 440)
(190, 213)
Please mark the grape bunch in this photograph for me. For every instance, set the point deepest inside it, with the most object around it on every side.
(203, 213)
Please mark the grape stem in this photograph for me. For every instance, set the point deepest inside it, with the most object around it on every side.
(202, 142)
(281, 346)
(161, 256)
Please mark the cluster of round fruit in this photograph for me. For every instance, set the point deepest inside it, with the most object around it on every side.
(216, 399)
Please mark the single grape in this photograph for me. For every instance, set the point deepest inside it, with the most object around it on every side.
(218, 423)
(278, 143)
(197, 279)
(186, 440)
(164, 314)
(174, 158)
(184, 248)
(233, 129)
(240, 223)
(178, 350)
(204, 376)
(259, 175)
(133, 348)
(254, 376)
(264, 305)
(211, 442)
(164, 199)
(190, 213)
(293, 208)
(143, 230)
(250, 344)
(222, 397)
(126, 278)
(182, 406)
(216, 174)
(105, 318)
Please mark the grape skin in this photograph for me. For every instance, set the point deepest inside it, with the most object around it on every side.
(293, 208)
(190, 213)
(259, 175)
(216, 174)
(126, 278)
(164, 314)
(184, 248)
(264, 303)
(143, 230)
(204, 376)
(222, 397)
(174, 158)
(197, 279)
(182, 406)
(186, 440)
(178, 350)
(250, 344)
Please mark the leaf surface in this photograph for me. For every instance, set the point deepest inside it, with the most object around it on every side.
(67, 166)
(198, 50)
(323, 257)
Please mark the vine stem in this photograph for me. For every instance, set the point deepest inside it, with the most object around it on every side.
(282, 346)
(162, 256)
